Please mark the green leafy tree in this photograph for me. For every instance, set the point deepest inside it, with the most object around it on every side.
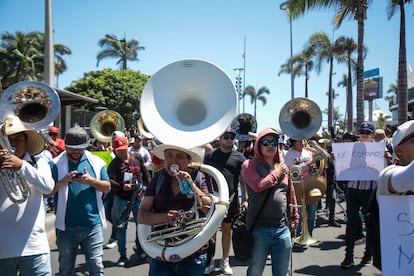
(122, 49)
(402, 95)
(256, 96)
(118, 90)
(392, 92)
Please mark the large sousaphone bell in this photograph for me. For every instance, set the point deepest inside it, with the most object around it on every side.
(188, 103)
(244, 124)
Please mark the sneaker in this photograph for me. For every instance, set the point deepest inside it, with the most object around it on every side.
(366, 260)
(122, 261)
(139, 252)
(210, 268)
(334, 223)
(348, 262)
(225, 267)
(111, 244)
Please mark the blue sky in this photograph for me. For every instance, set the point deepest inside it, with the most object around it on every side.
(213, 30)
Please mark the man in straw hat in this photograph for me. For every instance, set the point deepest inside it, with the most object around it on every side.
(80, 178)
(163, 199)
(24, 248)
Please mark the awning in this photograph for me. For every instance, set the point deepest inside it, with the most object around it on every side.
(69, 98)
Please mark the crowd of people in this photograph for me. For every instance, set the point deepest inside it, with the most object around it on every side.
(89, 183)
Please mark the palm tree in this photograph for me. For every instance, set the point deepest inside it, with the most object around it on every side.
(392, 92)
(402, 60)
(349, 47)
(122, 49)
(254, 97)
(324, 50)
(20, 57)
(344, 9)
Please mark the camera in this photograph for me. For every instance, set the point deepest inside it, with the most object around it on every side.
(77, 175)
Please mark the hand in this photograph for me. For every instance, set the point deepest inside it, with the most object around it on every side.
(11, 161)
(128, 187)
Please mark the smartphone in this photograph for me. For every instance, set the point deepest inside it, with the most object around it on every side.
(77, 175)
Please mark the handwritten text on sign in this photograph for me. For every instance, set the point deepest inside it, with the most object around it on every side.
(358, 161)
(397, 234)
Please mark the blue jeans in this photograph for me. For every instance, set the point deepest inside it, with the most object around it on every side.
(120, 220)
(34, 265)
(90, 239)
(311, 214)
(193, 265)
(275, 241)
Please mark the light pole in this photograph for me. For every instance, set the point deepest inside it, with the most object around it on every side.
(284, 7)
(239, 86)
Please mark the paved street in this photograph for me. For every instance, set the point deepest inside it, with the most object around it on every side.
(322, 258)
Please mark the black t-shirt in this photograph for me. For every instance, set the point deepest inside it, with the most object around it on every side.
(229, 164)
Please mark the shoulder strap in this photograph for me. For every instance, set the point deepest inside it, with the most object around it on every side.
(261, 207)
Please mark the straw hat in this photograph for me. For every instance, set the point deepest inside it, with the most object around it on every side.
(160, 150)
(35, 142)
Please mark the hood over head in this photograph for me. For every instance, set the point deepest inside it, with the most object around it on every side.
(257, 154)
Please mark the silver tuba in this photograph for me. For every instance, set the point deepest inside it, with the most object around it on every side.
(244, 125)
(188, 103)
(36, 105)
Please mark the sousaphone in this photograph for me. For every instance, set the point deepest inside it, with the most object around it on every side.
(188, 103)
(243, 124)
(104, 123)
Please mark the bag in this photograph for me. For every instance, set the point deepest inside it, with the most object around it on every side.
(242, 238)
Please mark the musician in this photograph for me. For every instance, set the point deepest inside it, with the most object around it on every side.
(298, 155)
(80, 179)
(24, 248)
(263, 174)
(163, 199)
(56, 145)
(129, 177)
(397, 179)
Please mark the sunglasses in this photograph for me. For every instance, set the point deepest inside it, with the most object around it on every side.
(266, 142)
(365, 132)
(229, 136)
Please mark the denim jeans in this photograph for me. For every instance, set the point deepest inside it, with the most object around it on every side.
(275, 241)
(34, 265)
(90, 239)
(311, 214)
(193, 265)
(120, 220)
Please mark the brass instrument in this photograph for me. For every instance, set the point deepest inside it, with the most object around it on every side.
(104, 123)
(243, 124)
(36, 105)
(188, 103)
(143, 130)
(300, 119)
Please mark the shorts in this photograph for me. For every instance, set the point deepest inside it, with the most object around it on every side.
(234, 209)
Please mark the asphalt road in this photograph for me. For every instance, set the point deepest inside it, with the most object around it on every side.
(322, 258)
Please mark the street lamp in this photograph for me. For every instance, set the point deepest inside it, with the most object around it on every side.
(238, 85)
(284, 7)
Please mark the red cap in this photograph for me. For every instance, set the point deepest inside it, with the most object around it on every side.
(120, 143)
(53, 129)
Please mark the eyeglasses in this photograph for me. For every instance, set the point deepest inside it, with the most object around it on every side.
(365, 132)
(266, 142)
(229, 136)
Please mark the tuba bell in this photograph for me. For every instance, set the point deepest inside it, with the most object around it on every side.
(143, 130)
(104, 123)
(244, 125)
(36, 105)
(188, 103)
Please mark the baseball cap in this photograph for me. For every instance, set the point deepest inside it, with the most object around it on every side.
(229, 130)
(403, 132)
(367, 126)
(53, 129)
(117, 133)
(76, 138)
(120, 143)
